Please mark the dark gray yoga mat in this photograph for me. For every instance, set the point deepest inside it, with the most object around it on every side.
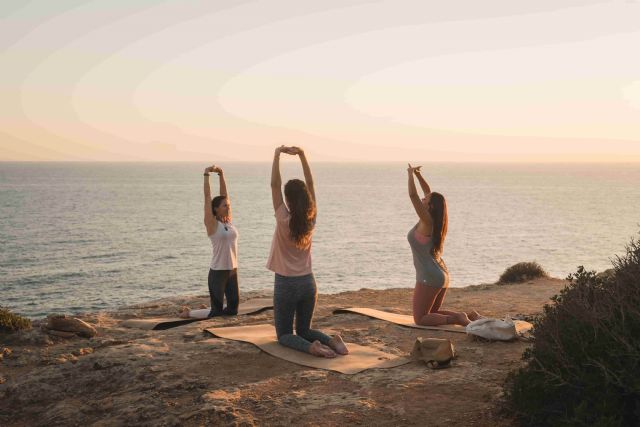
(249, 307)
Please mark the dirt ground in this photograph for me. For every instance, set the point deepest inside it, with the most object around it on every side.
(185, 377)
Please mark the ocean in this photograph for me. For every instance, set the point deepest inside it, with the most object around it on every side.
(79, 237)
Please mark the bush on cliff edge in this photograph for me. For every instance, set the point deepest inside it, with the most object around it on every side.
(584, 365)
(11, 322)
(521, 272)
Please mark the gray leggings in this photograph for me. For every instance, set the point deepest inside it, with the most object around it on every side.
(296, 295)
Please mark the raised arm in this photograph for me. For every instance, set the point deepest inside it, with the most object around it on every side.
(423, 183)
(420, 209)
(308, 178)
(209, 220)
(276, 180)
(223, 184)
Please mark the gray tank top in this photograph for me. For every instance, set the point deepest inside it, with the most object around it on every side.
(428, 271)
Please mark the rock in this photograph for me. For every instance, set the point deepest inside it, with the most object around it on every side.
(82, 351)
(60, 360)
(314, 376)
(61, 334)
(71, 324)
(111, 342)
(64, 358)
(190, 335)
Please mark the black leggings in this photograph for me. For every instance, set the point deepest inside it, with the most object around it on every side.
(224, 283)
(296, 296)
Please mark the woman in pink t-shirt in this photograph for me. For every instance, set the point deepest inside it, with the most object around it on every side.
(295, 292)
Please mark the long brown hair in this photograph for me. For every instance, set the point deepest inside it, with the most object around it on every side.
(438, 211)
(303, 212)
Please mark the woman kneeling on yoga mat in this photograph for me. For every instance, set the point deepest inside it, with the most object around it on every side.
(223, 271)
(295, 292)
(426, 239)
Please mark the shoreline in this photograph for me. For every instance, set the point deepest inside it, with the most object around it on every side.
(184, 376)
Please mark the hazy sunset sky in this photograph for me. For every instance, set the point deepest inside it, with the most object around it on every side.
(474, 80)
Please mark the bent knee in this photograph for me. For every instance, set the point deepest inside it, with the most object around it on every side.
(282, 339)
(417, 318)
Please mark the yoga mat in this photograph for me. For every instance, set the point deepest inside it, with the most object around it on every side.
(249, 307)
(398, 319)
(264, 337)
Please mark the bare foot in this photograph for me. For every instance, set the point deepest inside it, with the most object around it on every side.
(184, 312)
(320, 350)
(338, 345)
(474, 315)
(462, 319)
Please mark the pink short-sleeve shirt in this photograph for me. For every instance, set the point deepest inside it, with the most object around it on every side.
(285, 258)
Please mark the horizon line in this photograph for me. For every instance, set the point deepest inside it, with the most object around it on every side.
(345, 161)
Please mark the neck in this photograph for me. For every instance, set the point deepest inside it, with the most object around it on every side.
(223, 219)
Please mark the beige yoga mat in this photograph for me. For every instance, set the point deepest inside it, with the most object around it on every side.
(264, 337)
(398, 319)
(249, 307)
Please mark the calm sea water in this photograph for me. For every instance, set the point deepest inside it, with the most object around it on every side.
(87, 236)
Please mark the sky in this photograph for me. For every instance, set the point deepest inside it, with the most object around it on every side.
(468, 81)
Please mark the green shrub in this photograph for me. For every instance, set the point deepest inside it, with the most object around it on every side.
(11, 322)
(584, 365)
(521, 272)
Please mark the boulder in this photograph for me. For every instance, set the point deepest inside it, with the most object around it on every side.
(71, 324)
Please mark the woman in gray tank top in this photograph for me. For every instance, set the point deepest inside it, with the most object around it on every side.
(426, 239)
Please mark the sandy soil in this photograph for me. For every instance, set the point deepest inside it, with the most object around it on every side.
(184, 376)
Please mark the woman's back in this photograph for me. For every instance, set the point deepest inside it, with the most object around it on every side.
(285, 258)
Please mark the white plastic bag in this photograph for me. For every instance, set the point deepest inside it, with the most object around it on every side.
(496, 329)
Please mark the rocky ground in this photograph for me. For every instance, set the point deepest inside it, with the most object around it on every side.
(184, 376)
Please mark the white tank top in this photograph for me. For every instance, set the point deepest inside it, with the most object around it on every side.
(225, 247)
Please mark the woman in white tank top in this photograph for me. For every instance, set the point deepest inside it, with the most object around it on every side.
(223, 271)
